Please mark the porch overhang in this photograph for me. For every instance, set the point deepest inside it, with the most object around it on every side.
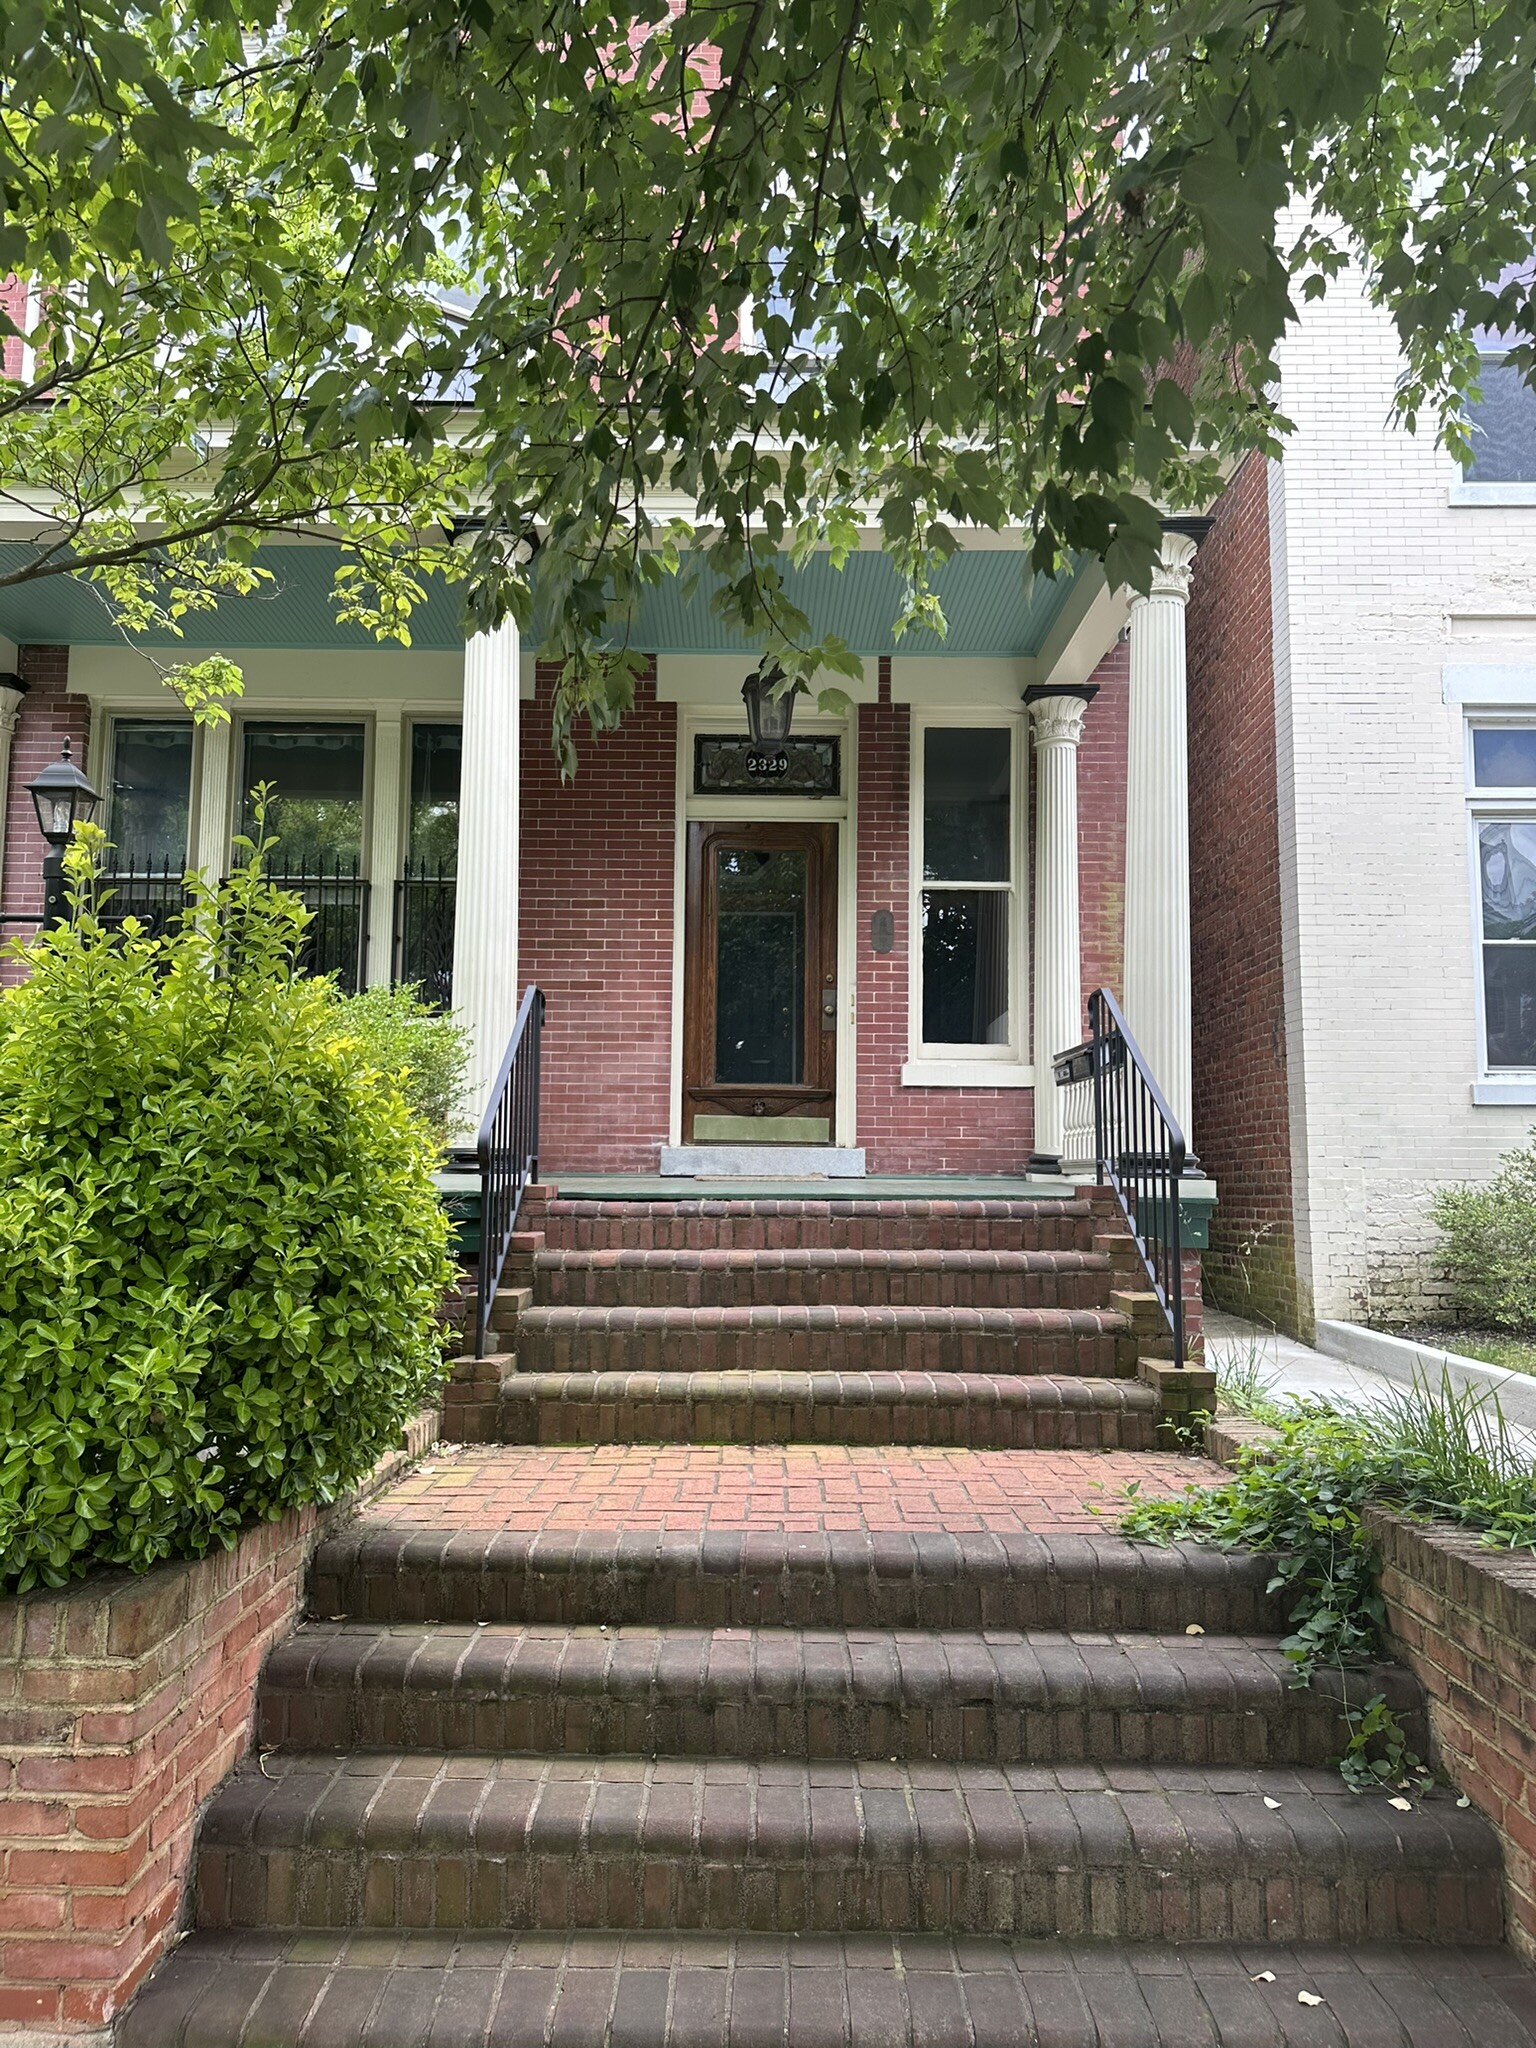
(993, 603)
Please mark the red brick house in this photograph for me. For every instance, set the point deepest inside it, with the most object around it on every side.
(863, 959)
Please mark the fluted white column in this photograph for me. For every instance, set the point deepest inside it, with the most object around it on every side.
(1057, 717)
(384, 847)
(1157, 998)
(485, 990)
(211, 826)
(13, 694)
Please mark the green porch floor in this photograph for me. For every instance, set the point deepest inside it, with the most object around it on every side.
(874, 1187)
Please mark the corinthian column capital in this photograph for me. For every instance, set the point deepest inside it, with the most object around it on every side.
(1176, 561)
(1057, 715)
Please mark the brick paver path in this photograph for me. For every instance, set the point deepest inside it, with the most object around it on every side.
(796, 1488)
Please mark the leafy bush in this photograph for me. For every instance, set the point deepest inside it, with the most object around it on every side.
(1490, 1245)
(221, 1253)
(425, 1052)
(1434, 1451)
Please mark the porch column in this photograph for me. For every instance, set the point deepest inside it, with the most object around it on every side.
(1157, 988)
(384, 848)
(485, 990)
(211, 827)
(1057, 718)
(13, 694)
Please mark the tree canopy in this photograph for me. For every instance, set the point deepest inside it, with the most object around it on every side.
(713, 282)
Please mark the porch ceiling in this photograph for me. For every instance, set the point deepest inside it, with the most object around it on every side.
(993, 604)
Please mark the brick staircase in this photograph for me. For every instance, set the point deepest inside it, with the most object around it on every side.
(713, 1745)
(1001, 1324)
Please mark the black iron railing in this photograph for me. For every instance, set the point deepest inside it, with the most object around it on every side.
(1139, 1149)
(154, 892)
(507, 1150)
(425, 905)
(336, 939)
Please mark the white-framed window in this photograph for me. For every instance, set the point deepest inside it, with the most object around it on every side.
(149, 794)
(967, 999)
(1501, 783)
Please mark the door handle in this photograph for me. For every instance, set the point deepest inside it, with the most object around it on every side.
(829, 1009)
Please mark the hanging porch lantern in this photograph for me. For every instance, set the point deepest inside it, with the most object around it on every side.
(768, 715)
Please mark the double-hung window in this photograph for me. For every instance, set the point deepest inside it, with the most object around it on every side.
(1502, 771)
(967, 979)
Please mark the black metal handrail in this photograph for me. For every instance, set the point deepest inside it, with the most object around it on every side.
(1139, 1149)
(507, 1151)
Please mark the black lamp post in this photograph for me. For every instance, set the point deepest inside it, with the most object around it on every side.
(768, 714)
(62, 798)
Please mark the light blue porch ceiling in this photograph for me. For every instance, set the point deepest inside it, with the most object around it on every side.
(992, 602)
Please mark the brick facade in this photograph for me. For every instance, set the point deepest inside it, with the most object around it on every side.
(597, 935)
(124, 1703)
(13, 302)
(49, 716)
(596, 930)
(1241, 1115)
(1463, 1618)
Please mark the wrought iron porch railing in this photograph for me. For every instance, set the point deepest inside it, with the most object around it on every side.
(1139, 1149)
(154, 892)
(507, 1150)
(425, 907)
(336, 941)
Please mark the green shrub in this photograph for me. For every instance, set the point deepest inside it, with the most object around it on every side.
(222, 1256)
(426, 1053)
(1490, 1245)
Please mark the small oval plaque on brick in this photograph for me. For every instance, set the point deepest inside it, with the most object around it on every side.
(882, 931)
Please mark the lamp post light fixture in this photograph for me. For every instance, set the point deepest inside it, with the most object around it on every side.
(63, 799)
(769, 707)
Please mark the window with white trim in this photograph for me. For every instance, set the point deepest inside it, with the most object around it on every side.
(1502, 424)
(1501, 760)
(966, 879)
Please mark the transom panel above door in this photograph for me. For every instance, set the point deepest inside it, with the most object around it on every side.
(760, 991)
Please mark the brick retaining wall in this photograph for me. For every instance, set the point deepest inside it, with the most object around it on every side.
(124, 1702)
(1463, 1618)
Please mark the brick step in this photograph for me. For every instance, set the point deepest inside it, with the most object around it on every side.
(976, 1411)
(1045, 1225)
(1093, 1342)
(854, 1991)
(766, 1577)
(1126, 1853)
(822, 1275)
(954, 1695)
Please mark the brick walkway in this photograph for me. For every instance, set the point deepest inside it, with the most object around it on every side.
(796, 1488)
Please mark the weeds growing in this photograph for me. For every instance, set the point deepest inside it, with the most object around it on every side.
(1438, 1452)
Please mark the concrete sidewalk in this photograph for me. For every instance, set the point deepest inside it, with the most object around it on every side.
(1289, 1366)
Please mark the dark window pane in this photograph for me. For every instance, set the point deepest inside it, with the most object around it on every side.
(1507, 857)
(1509, 1005)
(151, 783)
(760, 966)
(1504, 757)
(317, 809)
(965, 804)
(1503, 425)
(965, 966)
(436, 752)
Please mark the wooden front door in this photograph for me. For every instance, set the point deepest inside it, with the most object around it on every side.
(760, 997)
